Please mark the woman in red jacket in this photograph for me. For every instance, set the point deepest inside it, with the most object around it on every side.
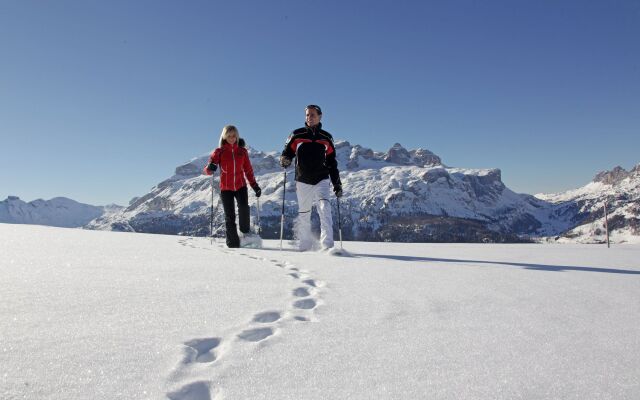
(233, 159)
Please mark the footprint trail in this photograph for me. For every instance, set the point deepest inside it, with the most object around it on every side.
(210, 352)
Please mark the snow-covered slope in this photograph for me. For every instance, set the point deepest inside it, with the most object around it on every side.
(59, 211)
(398, 195)
(99, 315)
(583, 208)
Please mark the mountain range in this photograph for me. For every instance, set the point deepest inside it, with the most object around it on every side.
(59, 211)
(399, 195)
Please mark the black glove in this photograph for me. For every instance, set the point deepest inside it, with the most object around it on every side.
(285, 161)
(337, 189)
(257, 190)
(212, 167)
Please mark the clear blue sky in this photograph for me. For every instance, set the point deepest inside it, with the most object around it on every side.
(101, 100)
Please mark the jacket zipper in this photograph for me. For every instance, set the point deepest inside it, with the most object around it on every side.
(233, 154)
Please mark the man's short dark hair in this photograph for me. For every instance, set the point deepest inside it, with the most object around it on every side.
(314, 107)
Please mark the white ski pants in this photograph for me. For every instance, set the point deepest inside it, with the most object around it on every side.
(307, 195)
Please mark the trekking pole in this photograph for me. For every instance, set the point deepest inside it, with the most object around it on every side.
(211, 218)
(258, 211)
(284, 193)
(339, 222)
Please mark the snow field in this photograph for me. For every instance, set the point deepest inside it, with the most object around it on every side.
(105, 315)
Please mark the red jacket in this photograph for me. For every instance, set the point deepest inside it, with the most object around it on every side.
(234, 165)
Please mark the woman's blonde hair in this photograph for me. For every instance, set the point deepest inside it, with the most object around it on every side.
(226, 131)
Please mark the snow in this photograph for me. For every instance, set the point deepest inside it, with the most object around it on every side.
(58, 211)
(596, 231)
(590, 190)
(104, 315)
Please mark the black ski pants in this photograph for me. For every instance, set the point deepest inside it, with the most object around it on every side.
(229, 197)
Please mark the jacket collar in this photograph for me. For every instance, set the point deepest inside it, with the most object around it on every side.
(239, 143)
(230, 146)
(314, 129)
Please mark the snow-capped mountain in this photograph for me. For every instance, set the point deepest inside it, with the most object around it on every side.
(59, 211)
(398, 195)
(583, 208)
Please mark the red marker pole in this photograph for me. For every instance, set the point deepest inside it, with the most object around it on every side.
(606, 223)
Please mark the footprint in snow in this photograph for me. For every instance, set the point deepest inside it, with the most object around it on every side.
(255, 335)
(305, 304)
(294, 275)
(311, 282)
(193, 391)
(301, 292)
(266, 317)
(201, 349)
(299, 318)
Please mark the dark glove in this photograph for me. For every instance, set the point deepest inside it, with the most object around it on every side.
(337, 189)
(285, 161)
(257, 190)
(212, 167)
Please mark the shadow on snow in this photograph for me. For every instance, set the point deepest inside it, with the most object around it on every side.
(538, 267)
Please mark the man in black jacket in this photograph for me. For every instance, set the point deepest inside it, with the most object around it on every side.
(316, 165)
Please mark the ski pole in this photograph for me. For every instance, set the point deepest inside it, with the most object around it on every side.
(284, 193)
(258, 211)
(211, 218)
(339, 222)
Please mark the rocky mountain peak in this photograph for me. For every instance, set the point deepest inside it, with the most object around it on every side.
(398, 155)
(424, 158)
(189, 170)
(612, 177)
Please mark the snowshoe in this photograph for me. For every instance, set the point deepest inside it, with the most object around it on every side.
(250, 240)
